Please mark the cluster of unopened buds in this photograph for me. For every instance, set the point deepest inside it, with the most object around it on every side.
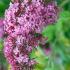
(23, 20)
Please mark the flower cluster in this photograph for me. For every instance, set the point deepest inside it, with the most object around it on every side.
(22, 21)
(1, 28)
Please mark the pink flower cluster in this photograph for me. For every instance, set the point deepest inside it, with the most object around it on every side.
(1, 28)
(22, 21)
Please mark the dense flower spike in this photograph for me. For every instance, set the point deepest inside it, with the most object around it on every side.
(22, 21)
(1, 28)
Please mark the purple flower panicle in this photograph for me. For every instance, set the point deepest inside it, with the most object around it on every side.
(1, 28)
(22, 21)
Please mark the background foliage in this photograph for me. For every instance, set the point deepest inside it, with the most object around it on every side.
(3, 5)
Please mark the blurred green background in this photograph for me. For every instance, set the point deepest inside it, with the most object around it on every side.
(3, 5)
